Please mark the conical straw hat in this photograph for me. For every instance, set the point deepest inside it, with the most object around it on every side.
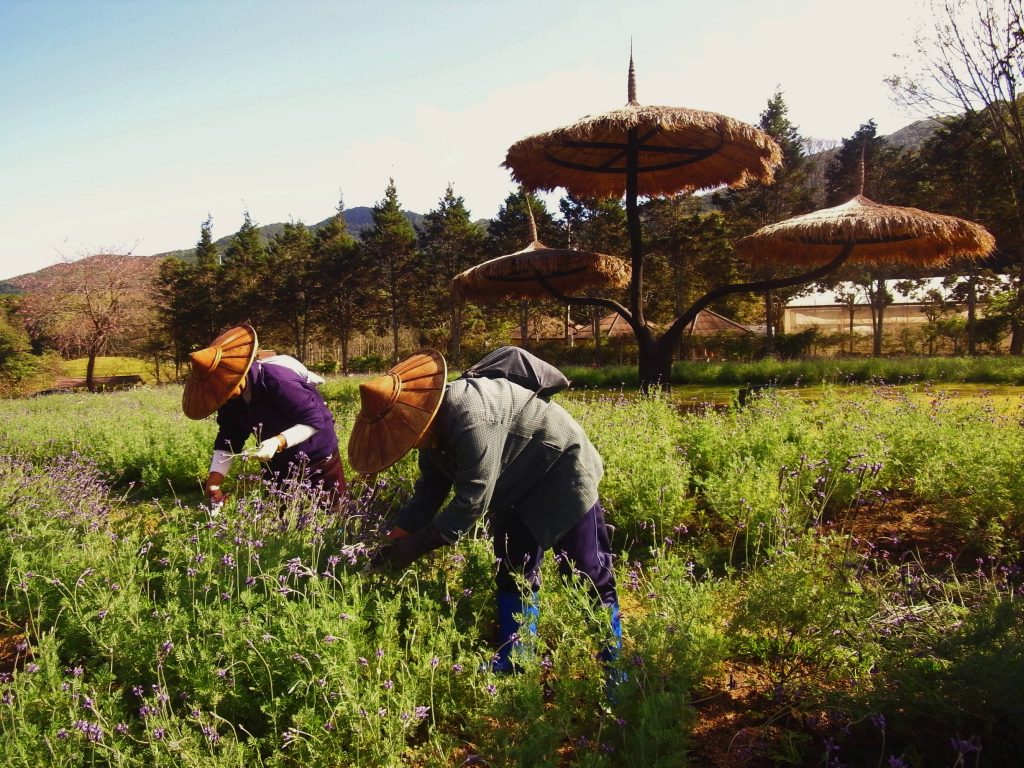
(216, 371)
(396, 410)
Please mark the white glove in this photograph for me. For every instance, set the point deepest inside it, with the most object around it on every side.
(221, 462)
(268, 448)
(300, 433)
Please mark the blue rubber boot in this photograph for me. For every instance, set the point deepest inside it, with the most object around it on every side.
(613, 676)
(510, 608)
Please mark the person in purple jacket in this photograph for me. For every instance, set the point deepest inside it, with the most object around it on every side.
(277, 404)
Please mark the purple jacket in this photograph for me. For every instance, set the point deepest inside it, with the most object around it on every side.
(278, 398)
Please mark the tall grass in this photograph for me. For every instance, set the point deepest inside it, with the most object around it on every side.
(894, 370)
(145, 632)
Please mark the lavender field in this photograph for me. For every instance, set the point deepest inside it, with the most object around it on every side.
(828, 581)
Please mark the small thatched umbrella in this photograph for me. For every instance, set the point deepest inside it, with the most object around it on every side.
(525, 273)
(519, 274)
(870, 233)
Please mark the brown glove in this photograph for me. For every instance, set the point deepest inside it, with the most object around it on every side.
(212, 488)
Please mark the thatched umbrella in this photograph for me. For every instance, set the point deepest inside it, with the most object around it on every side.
(523, 274)
(644, 150)
(871, 233)
(655, 150)
(537, 272)
(865, 232)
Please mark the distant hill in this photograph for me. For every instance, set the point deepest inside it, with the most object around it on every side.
(910, 137)
(913, 136)
(357, 219)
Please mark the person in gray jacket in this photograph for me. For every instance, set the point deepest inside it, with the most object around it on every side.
(489, 447)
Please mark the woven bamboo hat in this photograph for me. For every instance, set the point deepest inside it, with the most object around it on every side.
(216, 371)
(396, 410)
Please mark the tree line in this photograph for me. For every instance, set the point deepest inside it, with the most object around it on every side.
(306, 288)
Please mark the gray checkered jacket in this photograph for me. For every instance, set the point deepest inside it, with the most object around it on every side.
(505, 451)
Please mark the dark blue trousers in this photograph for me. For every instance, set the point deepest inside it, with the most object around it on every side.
(584, 551)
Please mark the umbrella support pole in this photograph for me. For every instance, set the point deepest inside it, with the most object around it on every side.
(636, 246)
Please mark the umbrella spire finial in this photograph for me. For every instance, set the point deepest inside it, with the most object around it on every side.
(529, 214)
(860, 171)
(631, 85)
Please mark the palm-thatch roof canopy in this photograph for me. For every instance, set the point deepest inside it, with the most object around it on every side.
(680, 150)
(708, 323)
(612, 325)
(675, 149)
(517, 275)
(879, 234)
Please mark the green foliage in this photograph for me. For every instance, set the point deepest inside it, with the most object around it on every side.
(800, 617)
(157, 633)
(450, 242)
(111, 366)
(138, 437)
(896, 370)
(389, 250)
(646, 483)
(18, 367)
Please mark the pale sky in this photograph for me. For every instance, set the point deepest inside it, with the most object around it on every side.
(123, 123)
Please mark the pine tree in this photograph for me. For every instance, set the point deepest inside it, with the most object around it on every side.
(449, 243)
(342, 286)
(389, 246)
(289, 285)
(207, 256)
(760, 204)
(863, 165)
(206, 289)
(245, 262)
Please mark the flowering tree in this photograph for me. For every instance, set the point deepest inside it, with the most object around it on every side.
(87, 306)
